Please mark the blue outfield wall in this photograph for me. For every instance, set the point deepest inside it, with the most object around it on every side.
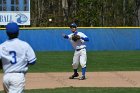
(100, 39)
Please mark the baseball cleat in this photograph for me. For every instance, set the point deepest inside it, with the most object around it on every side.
(82, 78)
(74, 75)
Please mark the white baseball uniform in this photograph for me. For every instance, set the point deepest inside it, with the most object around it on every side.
(80, 51)
(15, 55)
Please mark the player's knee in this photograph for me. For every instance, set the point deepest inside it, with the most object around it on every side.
(83, 65)
(75, 66)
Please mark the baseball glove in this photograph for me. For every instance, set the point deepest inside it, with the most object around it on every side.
(75, 37)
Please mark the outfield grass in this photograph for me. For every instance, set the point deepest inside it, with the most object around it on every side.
(97, 61)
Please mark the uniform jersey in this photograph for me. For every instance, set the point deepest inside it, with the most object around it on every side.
(79, 44)
(15, 55)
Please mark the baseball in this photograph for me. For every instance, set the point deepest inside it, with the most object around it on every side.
(50, 20)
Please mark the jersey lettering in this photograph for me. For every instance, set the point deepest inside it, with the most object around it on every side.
(13, 53)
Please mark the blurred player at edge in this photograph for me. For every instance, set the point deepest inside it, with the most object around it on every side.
(15, 56)
(80, 51)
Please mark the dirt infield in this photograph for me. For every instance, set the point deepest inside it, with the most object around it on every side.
(94, 79)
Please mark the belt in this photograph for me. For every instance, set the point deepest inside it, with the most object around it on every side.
(79, 49)
(18, 72)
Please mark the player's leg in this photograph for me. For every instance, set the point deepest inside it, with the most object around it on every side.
(5, 88)
(75, 64)
(17, 83)
(6, 83)
(83, 61)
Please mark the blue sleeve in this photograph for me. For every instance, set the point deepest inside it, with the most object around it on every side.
(32, 63)
(66, 37)
(85, 39)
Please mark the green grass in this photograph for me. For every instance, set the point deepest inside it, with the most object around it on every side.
(87, 90)
(97, 61)
(84, 90)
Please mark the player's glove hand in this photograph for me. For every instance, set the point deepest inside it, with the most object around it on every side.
(75, 37)
(63, 34)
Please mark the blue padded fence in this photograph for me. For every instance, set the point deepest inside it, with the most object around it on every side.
(100, 39)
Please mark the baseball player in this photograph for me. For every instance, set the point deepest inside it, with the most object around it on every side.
(77, 39)
(15, 56)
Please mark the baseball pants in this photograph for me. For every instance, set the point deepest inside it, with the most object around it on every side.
(14, 82)
(79, 57)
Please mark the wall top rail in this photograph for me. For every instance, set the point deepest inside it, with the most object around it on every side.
(28, 28)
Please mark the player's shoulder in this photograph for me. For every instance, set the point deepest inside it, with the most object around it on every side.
(70, 34)
(80, 33)
(2, 44)
(24, 42)
(19, 40)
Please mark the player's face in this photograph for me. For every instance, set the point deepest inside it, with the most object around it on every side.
(73, 29)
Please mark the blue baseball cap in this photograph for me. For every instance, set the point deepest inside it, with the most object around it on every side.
(12, 28)
(73, 25)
